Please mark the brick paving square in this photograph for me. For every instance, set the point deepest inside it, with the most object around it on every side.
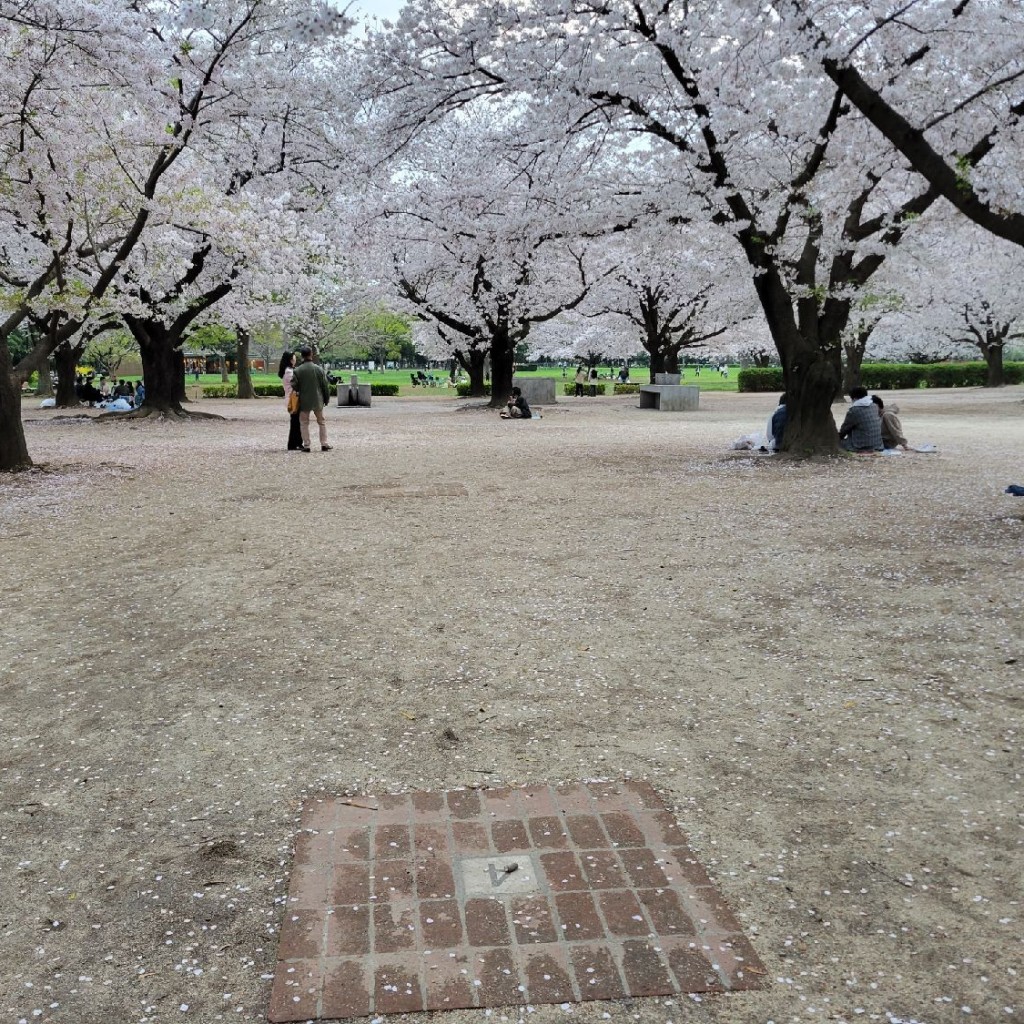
(473, 898)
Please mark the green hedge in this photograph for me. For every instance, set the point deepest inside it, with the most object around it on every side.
(627, 389)
(277, 390)
(525, 367)
(462, 390)
(231, 390)
(760, 378)
(569, 388)
(894, 376)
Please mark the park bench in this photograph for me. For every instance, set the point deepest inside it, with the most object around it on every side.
(666, 394)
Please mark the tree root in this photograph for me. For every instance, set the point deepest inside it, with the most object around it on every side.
(154, 412)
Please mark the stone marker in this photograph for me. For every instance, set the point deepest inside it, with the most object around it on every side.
(536, 390)
(353, 393)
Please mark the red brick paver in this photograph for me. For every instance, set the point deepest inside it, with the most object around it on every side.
(473, 898)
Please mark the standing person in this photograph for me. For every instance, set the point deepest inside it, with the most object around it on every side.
(286, 371)
(862, 428)
(579, 380)
(140, 394)
(310, 381)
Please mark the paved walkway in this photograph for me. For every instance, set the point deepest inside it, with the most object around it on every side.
(485, 897)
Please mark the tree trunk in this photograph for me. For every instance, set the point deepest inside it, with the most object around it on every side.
(473, 362)
(811, 387)
(811, 374)
(224, 378)
(179, 374)
(65, 359)
(13, 450)
(44, 386)
(994, 366)
(245, 389)
(671, 362)
(503, 357)
(163, 367)
(854, 358)
(658, 357)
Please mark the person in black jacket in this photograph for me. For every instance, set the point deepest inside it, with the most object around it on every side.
(518, 408)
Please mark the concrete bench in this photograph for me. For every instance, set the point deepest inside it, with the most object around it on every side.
(669, 397)
(536, 390)
(353, 393)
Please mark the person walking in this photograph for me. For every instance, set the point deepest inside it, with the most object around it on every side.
(310, 381)
(286, 371)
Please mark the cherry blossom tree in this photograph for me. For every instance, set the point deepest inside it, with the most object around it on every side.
(484, 229)
(815, 198)
(944, 84)
(142, 86)
(587, 340)
(679, 286)
(951, 289)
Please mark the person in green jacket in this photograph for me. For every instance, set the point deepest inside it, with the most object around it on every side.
(310, 383)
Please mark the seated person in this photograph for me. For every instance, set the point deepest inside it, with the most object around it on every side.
(778, 424)
(518, 408)
(90, 393)
(892, 429)
(862, 428)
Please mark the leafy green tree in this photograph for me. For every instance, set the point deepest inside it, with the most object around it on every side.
(106, 353)
(372, 333)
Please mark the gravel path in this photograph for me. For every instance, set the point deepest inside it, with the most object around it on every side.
(819, 666)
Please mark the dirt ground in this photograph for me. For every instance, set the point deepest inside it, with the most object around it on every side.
(818, 665)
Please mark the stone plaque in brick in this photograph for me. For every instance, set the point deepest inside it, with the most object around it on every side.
(489, 897)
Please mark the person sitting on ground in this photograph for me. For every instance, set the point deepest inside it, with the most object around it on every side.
(90, 393)
(778, 424)
(892, 429)
(518, 408)
(862, 428)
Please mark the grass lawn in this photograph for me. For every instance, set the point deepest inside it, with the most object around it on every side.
(708, 380)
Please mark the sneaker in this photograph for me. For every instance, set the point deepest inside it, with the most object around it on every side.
(305, 449)
(326, 447)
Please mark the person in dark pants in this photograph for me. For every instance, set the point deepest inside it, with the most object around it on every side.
(286, 371)
(579, 380)
(310, 381)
